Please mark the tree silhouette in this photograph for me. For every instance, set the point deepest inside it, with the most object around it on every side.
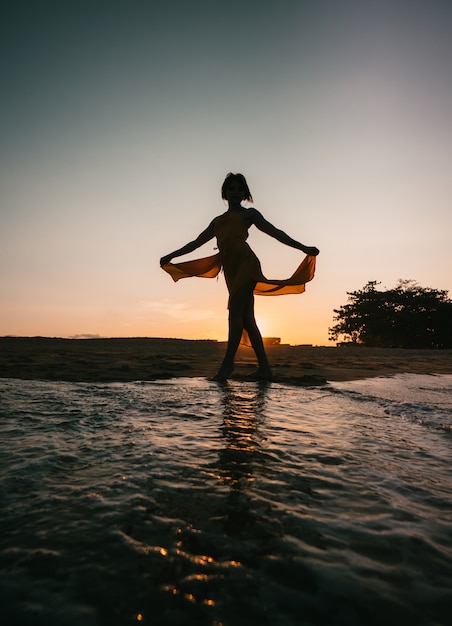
(408, 316)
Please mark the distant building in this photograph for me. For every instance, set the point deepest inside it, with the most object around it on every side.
(271, 341)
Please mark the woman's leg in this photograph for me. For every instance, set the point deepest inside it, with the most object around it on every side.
(238, 304)
(241, 316)
(256, 339)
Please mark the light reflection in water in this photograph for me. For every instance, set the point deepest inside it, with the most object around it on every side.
(243, 413)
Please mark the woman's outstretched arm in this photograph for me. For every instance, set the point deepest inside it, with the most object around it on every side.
(200, 240)
(262, 224)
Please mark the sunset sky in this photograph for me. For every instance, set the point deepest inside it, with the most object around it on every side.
(120, 120)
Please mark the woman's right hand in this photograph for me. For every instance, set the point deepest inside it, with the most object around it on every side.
(165, 260)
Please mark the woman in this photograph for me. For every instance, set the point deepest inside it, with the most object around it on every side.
(242, 270)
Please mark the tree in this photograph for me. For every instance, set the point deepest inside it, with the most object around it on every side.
(408, 316)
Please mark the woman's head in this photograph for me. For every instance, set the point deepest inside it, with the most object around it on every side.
(236, 180)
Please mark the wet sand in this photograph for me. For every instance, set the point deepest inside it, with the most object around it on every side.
(129, 359)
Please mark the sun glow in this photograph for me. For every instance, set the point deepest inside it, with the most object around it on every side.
(262, 325)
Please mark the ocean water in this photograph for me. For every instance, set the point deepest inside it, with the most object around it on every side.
(187, 502)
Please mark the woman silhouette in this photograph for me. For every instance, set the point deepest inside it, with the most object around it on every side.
(242, 270)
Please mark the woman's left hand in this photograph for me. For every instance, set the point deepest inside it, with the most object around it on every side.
(311, 250)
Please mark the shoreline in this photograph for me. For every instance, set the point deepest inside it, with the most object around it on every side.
(143, 358)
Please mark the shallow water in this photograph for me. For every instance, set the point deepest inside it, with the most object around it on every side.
(186, 502)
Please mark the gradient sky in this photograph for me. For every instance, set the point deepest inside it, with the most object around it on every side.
(119, 121)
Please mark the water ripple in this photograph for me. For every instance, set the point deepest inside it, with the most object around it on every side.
(182, 501)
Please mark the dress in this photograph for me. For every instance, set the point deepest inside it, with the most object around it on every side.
(239, 263)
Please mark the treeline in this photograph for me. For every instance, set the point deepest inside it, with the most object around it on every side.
(408, 316)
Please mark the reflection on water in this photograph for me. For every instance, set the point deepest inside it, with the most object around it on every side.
(243, 414)
(185, 502)
(242, 417)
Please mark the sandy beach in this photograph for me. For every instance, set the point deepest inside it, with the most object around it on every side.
(129, 359)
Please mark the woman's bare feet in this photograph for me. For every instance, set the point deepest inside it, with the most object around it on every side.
(262, 374)
(223, 373)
